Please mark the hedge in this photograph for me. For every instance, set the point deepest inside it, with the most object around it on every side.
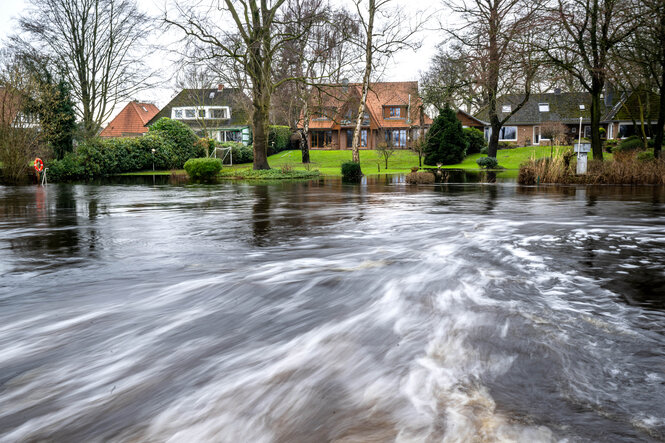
(279, 139)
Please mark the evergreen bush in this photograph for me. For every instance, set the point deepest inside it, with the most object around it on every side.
(487, 162)
(181, 137)
(446, 142)
(476, 140)
(351, 172)
(631, 143)
(203, 168)
(279, 139)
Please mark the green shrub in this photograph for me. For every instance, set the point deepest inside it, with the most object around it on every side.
(203, 168)
(351, 171)
(646, 156)
(476, 140)
(100, 157)
(610, 144)
(487, 162)
(485, 150)
(279, 139)
(240, 152)
(631, 143)
(67, 169)
(507, 145)
(446, 143)
(181, 137)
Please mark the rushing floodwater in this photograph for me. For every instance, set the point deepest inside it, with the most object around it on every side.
(313, 312)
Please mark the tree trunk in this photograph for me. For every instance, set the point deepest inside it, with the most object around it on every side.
(261, 105)
(596, 144)
(304, 135)
(493, 146)
(658, 142)
(304, 144)
(366, 77)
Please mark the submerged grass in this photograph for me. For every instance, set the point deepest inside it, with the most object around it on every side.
(270, 174)
(624, 169)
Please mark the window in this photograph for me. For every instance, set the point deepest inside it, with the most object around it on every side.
(202, 113)
(544, 107)
(363, 138)
(508, 133)
(506, 108)
(217, 113)
(393, 112)
(587, 132)
(396, 137)
(349, 137)
(177, 113)
(189, 113)
(321, 139)
(232, 136)
(628, 129)
(349, 114)
(574, 130)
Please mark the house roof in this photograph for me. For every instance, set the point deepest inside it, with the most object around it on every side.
(564, 108)
(380, 95)
(628, 108)
(232, 97)
(471, 118)
(131, 120)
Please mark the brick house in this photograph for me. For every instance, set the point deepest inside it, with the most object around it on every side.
(219, 113)
(524, 127)
(394, 114)
(131, 121)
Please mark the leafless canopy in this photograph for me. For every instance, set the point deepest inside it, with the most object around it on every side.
(99, 43)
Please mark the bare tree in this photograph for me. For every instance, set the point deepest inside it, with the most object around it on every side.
(256, 33)
(496, 36)
(20, 137)
(449, 81)
(579, 38)
(99, 42)
(317, 60)
(384, 31)
(553, 131)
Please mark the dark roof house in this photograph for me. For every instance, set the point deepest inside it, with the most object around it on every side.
(220, 113)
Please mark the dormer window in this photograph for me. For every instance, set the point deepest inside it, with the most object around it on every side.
(201, 113)
(544, 107)
(506, 109)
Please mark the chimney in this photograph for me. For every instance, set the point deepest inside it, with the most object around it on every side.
(557, 91)
(609, 95)
(220, 87)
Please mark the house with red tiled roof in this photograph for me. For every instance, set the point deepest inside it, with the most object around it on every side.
(394, 114)
(131, 121)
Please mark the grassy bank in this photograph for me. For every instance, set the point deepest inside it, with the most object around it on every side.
(401, 162)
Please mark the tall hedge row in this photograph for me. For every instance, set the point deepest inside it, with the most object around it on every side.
(173, 142)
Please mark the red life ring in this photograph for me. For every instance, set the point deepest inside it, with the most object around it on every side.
(39, 165)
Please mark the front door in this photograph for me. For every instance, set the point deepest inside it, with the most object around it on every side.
(536, 135)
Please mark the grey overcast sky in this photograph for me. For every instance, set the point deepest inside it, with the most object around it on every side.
(408, 64)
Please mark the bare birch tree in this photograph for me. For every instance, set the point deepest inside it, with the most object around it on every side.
(99, 43)
(385, 30)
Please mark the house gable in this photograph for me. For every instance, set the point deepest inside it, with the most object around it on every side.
(131, 121)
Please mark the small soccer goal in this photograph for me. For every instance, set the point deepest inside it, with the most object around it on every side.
(223, 153)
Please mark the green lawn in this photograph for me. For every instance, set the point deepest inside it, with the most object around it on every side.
(328, 162)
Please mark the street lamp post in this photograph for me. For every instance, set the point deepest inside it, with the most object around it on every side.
(153, 160)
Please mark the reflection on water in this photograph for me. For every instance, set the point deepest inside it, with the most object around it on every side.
(324, 311)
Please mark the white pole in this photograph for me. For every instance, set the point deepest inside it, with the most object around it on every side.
(579, 142)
